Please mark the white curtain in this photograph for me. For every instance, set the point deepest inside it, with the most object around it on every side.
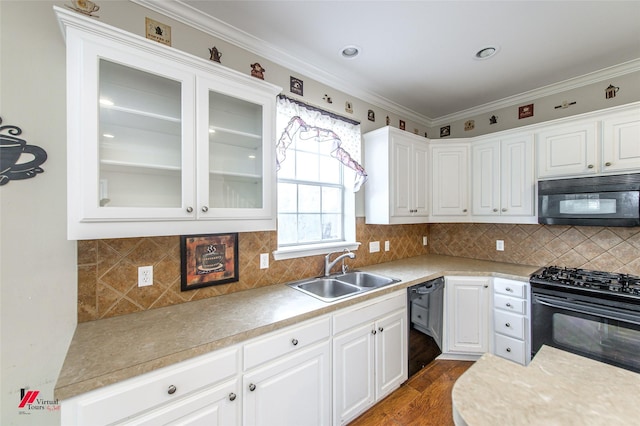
(297, 121)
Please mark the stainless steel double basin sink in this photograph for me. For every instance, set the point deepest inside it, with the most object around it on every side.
(334, 287)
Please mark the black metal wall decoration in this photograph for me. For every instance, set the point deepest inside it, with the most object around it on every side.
(257, 71)
(11, 149)
(296, 86)
(611, 91)
(215, 54)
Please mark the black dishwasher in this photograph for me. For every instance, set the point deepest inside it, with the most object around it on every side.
(425, 323)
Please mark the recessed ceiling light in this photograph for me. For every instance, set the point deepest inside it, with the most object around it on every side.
(350, 52)
(486, 52)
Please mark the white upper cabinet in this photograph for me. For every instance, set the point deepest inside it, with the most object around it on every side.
(397, 190)
(502, 177)
(567, 149)
(598, 143)
(450, 179)
(621, 142)
(161, 142)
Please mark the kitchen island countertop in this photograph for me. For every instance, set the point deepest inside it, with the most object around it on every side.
(556, 388)
(107, 351)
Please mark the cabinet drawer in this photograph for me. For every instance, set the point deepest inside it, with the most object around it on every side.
(421, 301)
(510, 304)
(285, 341)
(510, 348)
(419, 315)
(132, 396)
(509, 324)
(510, 287)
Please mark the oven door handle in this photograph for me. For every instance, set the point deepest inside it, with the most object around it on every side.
(587, 310)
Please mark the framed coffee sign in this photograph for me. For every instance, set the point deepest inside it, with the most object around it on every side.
(208, 260)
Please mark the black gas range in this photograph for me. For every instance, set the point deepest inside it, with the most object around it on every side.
(591, 313)
(584, 281)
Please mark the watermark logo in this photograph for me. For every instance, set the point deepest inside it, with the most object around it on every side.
(30, 402)
(27, 397)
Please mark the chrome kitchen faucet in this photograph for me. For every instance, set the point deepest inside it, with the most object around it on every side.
(328, 265)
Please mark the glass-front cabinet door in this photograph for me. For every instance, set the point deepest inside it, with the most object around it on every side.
(161, 142)
(140, 139)
(135, 137)
(233, 153)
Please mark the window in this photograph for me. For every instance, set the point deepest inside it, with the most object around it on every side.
(316, 176)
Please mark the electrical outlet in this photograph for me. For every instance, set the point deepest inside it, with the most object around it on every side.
(264, 260)
(500, 245)
(145, 276)
(374, 246)
(424, 240)
(386, 246)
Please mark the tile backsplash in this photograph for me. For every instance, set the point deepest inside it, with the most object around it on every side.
(611, 249)
(107, 269)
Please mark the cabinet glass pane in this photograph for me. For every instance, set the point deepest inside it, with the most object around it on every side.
(140, 124)
(235, 152)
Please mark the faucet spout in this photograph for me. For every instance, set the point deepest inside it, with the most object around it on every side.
(330, 264)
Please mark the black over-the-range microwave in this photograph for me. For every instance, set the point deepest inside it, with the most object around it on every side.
(612, 200)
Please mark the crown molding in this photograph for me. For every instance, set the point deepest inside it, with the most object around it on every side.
(208, 24)
(552, 89)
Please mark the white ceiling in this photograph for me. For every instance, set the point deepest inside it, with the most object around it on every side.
(419, 55)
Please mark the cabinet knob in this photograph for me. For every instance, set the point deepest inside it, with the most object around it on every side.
(420, 316)
(590, 166)
(380, 329)
(373, 332)
(232, 396)
(495, 210)
(509, 289)
(507, 325)
(294, 342)
(464, 210)
(172, 389)
(508, 305)
(504, 209)
(252, 387)
(189, 209)
(508, 349)
(205, 209)
(608, 163)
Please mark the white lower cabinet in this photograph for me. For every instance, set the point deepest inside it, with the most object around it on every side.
(467, 310)
(369, 355)
(287, 379)
(511, 320)
(191, 392)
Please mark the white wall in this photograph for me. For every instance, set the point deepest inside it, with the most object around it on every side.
(37, 263)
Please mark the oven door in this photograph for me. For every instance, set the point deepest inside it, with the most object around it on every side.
(584, 326)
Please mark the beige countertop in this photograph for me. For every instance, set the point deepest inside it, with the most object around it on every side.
(106, 351)
(556, 388)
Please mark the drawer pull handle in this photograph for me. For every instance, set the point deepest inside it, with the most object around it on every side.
(508, 349)
(508, 305)
(380, 329)
(607, 163)
(420, 316)
(232, 396)
(509, 289)
(252, 387)
(172, 389)
(294, 342)
(590, 166)
(507, 325)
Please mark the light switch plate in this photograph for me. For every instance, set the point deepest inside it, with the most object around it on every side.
(500, 245)
(374, 246)
(424, 240)
(386, 246)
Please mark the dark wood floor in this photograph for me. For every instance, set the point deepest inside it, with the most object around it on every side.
(425, 399)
